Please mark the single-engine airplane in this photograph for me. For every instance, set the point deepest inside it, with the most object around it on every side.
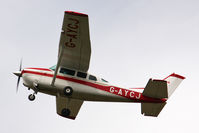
(70, 82)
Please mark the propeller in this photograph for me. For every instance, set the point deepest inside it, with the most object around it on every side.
(19, 74)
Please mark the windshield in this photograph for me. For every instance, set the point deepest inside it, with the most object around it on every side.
(53, 67)
(104, 80)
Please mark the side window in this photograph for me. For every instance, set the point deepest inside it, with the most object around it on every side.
(91, 77)
(81, 74)
(67, 71)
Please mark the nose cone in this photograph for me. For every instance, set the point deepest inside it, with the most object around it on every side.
(17, 73)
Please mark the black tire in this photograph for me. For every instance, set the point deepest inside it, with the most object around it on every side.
(65, 112)
(68, 91)
(31, 97)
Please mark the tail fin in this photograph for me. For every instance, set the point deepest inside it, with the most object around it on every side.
(159, 89)
(173, 82)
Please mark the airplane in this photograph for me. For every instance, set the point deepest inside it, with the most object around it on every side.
(71, 83)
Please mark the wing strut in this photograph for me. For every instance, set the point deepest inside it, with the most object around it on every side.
(57, 66)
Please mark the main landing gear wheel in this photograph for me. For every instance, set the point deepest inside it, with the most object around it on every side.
(65, 112)
(31, 97)
(68, 91)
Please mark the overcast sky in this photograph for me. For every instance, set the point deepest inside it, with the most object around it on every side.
(132, 41)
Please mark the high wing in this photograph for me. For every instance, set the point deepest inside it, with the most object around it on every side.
(75, 41)
(74, 47)
(68, 107)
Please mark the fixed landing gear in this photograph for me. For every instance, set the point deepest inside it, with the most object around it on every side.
(31, 97)
(65, 112)
(68, 91)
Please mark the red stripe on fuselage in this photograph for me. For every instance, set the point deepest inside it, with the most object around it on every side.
(42, 69)
(135, 96)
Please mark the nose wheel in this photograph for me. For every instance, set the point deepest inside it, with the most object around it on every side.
(31, 97)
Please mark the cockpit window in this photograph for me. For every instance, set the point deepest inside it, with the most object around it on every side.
(104, 80)
(81, 74)
(53, 67)
(91, 77)
(67, 71)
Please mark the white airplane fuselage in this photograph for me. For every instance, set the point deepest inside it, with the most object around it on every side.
(69, 81)
(40, 79)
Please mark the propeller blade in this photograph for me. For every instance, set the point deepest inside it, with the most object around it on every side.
(18, 83)
(20, 64)
(18, 73)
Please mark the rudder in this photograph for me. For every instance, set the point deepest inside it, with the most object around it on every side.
(173, 81)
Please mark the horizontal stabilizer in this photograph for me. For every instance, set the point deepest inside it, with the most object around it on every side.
(156, 89)
(152, 109)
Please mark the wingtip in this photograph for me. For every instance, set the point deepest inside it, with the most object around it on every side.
(76, 13)
(69, 117)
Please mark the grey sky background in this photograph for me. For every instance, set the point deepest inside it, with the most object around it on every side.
(132, 41)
